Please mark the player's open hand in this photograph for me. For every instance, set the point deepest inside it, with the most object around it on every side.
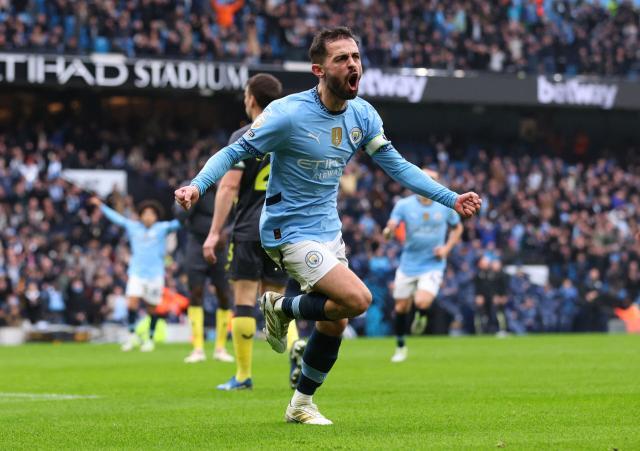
(187, 196)
(468, 204)
(209, 248)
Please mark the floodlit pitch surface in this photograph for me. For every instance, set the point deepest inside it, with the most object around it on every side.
(537, 392)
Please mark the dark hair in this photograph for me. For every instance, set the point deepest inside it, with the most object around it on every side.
(154, 205)
(265, 88)
(318, 49)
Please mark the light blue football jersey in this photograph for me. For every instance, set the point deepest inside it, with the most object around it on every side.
(310, 147)
(148, 245)
(307, 163)
(426, 229)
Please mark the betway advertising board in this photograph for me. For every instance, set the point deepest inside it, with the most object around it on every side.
(413, 86)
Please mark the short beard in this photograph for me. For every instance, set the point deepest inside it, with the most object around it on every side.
(337, 90)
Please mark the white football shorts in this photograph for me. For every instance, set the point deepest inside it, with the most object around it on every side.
(309, 261)
(406, 286)
(149, 290)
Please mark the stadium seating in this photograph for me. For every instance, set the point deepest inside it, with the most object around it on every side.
(514, 36)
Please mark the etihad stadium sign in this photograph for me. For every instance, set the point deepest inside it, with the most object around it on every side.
(113, 71)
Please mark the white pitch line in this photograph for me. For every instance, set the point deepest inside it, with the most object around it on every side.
(46, 396)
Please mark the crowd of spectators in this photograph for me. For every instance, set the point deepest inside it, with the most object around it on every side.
(61, 261)
(513, 36)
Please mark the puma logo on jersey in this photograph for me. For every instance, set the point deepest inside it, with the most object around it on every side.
(316, 137)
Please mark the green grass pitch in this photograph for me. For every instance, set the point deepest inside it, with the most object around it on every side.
(539, 392)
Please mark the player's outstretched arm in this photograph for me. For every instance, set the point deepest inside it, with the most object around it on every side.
(109, 213)
(228, 190)
(212, 171)
(412, 177)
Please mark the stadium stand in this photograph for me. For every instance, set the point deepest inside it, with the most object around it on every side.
(506, 36)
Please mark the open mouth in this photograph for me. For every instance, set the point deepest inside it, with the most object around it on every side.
(353, 81)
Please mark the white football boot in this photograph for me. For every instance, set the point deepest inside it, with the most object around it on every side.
(197, 355)
(400, 355)
(223, 356)
(132, 342)
(276, 323)
(148, 345)
(306, 414)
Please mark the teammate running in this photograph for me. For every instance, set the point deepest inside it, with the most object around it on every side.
(312, 135)
(251, 269)
(423, 261)
(198, 221)
(147, 239)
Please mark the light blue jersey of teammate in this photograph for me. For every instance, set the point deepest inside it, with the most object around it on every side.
(426, 229)
(148, 245)
(310, 148)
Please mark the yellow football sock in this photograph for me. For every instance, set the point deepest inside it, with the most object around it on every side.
(196, 317)
(243, 328)
(292, 335)
(222, 323)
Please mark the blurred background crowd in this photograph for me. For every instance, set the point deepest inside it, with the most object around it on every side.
(61, 261)
(512, 36)
(561, 191)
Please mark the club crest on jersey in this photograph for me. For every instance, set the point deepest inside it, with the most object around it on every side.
(313, 259)
(336, 136)
(355, 135)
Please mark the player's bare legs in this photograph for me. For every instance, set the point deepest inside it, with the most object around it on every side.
(348, 295)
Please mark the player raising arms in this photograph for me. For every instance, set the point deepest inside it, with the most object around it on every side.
(250, 267)
(147, 239)
(312, 135)
(423, 261)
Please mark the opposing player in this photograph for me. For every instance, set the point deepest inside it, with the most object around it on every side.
(423, 260)
(250, 269)
(147, 239)
(312, 135)
(198, 222)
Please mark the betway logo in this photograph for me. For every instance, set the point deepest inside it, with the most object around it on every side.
(573, 92)
(376, 83)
